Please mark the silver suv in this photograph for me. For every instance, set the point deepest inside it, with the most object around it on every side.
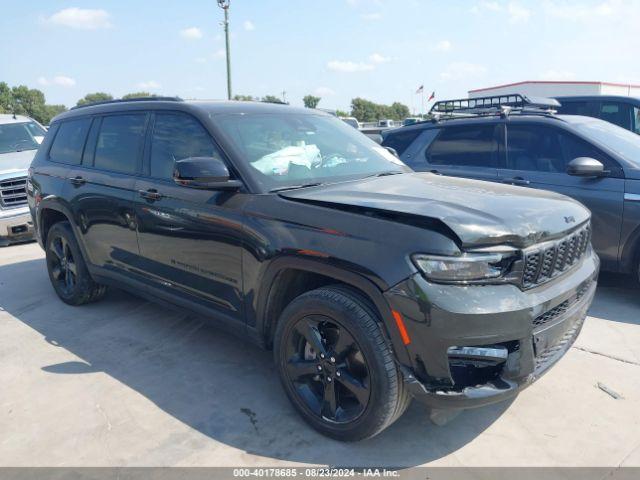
(20, 137)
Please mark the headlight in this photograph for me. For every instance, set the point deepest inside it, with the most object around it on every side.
(469, 267)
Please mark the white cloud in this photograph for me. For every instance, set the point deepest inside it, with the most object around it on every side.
(323, 92)
(462, 70)
(557, 75)
(192, 33)
(442, 46)
(377, 58)
(518, 13)
(348, 66)
(248, 25)
(581, 11)
(81, 18)
(149, 85)
(371, 16)
(58, 80)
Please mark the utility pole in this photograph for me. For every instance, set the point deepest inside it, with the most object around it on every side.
(284, 96)
(224, 5)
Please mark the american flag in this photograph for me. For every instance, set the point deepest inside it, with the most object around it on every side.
(420, 89)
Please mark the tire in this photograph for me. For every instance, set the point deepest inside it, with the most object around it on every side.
(67, 269)
(336, 366)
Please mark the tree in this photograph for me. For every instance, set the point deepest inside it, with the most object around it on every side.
(51, 111)
(399, 111)
(342, 113)
(310, 101)
(365, 110)
(272, 99)
(137, 95)
(28, 101)
(244, 98)
(94, 97)
(5, 98)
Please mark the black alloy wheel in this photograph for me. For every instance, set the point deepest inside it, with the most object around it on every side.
(328, 369)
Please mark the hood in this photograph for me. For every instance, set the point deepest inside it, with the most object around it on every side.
(479, 213)
(15, 162)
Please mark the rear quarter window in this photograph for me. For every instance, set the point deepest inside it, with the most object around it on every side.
(119, 142)
(69, 141)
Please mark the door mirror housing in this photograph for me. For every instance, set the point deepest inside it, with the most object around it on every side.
(207, 173)
(586, 167)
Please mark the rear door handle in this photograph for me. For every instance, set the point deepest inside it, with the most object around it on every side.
(436, 172)
(516, 181)
(77, 181)
(151, 194)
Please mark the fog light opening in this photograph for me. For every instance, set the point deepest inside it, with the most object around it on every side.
(474, 366)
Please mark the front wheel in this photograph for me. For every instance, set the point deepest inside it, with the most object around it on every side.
(336, 366)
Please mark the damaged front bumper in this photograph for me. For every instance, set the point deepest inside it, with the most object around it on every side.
(515, 336)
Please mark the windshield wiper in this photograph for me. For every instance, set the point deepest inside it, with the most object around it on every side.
(386, 174)
(295, 187)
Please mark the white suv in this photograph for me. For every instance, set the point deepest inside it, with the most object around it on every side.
(20, 137)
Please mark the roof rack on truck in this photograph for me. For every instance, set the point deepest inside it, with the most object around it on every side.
(494, 105)
(132, 99)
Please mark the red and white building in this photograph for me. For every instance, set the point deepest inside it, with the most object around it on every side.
(539, 88)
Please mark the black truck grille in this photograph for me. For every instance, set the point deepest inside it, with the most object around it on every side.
(13, 192)
(550, 259)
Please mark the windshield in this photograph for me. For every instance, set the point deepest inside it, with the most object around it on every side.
(289, 149)
(16, 137)
(622, 141)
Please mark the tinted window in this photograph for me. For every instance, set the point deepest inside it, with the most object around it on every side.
(473, 146)
(400, 141)
(119, 142)
(175, 137)
(588, 109)
(636, 119)
(616, 113)
(534, 147)
(69, 141)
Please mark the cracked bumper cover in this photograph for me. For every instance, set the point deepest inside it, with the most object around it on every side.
(441, 316)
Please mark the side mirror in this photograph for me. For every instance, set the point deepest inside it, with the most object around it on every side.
(585, 167)
(393, 151)
(206, 173)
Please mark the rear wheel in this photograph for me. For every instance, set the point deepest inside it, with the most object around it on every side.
(336, 366)
(67, 270)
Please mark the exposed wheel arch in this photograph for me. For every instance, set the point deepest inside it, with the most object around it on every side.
(287, 278)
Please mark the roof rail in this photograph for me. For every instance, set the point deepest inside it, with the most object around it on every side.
(133, 99)
(494, 104)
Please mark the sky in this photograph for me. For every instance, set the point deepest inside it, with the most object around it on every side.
(381, 50)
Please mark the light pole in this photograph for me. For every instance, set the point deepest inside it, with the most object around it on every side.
(224, 5)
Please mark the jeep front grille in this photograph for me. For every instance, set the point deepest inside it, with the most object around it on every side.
(13, 192)
(548, 260)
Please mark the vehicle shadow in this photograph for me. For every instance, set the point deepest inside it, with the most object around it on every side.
(617, 299)
(211, 381)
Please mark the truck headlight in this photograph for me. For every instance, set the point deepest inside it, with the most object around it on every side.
(469, 267)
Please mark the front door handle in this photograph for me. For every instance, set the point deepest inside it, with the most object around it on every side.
(151, 194)
(516, 181)
(77, 181)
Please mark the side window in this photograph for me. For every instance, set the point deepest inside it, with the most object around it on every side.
(586, 108)
(473, 146)
(617, 113)
(574, 147)
(69, 141)
(534, 147)
(177, 136)
(400, 140)
(119, 142)
(636, 120)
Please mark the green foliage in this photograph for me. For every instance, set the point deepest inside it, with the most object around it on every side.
(368, 111)
(94, 97)
(137, 95)
(310, 101)
(272, 99)
(23, 100)
(245, 98)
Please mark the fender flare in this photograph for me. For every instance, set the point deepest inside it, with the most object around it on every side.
(353, 279)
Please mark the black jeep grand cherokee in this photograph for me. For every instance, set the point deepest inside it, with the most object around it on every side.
(372, 284)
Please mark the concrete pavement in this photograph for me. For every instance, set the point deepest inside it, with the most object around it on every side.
(125, 382)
